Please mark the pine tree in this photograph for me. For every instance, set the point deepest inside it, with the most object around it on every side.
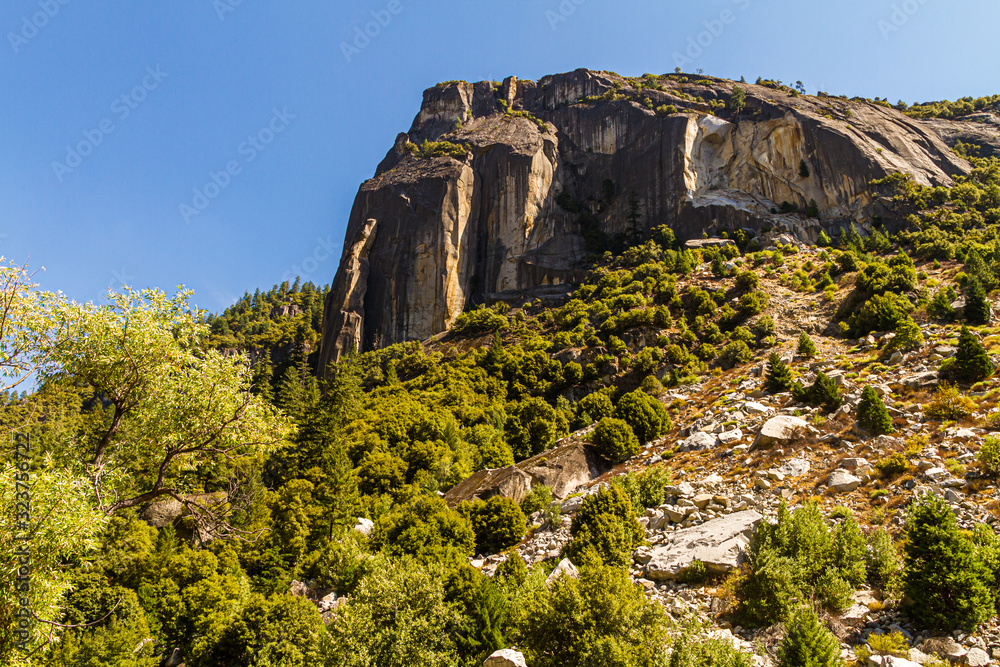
(977, 308)
(809, 644)
(972, 362)
(779, 375)
(945, 579)
(872, 413)
(806, 348)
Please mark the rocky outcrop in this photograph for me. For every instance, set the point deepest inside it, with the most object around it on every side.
(718, 543)
(563, 469)
(554, 165)
(982, 130)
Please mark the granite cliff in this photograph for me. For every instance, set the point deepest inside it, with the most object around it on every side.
(534, 176)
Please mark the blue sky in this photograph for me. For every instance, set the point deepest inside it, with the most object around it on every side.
(166, 98)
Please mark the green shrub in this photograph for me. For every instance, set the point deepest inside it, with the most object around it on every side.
(538, 498)
(513, 571)
(945, 580)
(823, 393)
(498, 523)
(883, 562)
(892, 465)
(735, 353)
(949, 403)
(605, 529)
(989, 455)
(593, 408)
(809, 644)
(977, 307)
(646, 488)
(614, 440)
(908, 336)
(479, 321)
(972, 362)
(644, 414)
(872, 413)
(424, 527)
(806, 347)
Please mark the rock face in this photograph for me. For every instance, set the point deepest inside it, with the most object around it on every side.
(718, 543)
(563, 468)
(428, 237)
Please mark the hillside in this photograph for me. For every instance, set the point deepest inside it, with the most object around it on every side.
(752, 445)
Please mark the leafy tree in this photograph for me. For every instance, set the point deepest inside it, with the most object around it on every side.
(872, 413)
(397, 617)
(737, 100)
(809, 644)
(908, 336)
(823, 392)
(424, 527)
(645, 414)
(945, 580)
(600, 619)
(735, 354)
(972, 361)
(614, 440)
(779, 374)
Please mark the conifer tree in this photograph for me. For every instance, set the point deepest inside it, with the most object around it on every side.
(806, 348)
(977, 308)
(945, 580)
(972, 362)
(809, 644)
(779, 375)
(872, 413)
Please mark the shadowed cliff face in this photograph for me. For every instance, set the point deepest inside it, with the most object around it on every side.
(428, 237)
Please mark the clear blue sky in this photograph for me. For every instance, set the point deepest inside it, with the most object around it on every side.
(223, 67)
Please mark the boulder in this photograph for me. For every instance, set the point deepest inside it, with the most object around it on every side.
(795, 467)
(780, 429)
(977, 657)
(841, 481)
(944, 647)
(718, 543)
(698, 442)
(565, 567)
(505, 657)
(364, 526)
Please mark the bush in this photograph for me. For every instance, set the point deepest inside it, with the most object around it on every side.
(949, 403)
(498, 523)
(892, 465)
(735, 353)
(424, 527)
(823, 393)
(908, 336)
(645, 414)
(593, 408)
(883, 563)
(806, 346)
(602, 619)
(989, 455)
(945, 580)
(614, 440)
(605, 529)
(480, 321)
(809, 644)
(779, 375)
(646, 488)
(872, 413)
(972, 362)
(538, 498)
(882, 312)
(977, 308)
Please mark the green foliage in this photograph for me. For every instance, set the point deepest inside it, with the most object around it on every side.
(799, 558)
(533, 426)
(908, 336)
(498, 523)
(646, 488)
(737, 100)
(989, 455)
(397, 616)
(885, 567)
(341, 563)
(806, 347)
(872, 413)
(972, 362)
(945, 580)
(779, 375)
(892, 465)
(425, 528)
(480, 321)
(605, 529)
(538, 498)
(977, 307)
(949, 403)
(433, 149)
(601, 619)
(881, 312)
(823, 393)
(645, 415)
(687, 652)
(734, 354)
(614, 440)
(809, 644)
